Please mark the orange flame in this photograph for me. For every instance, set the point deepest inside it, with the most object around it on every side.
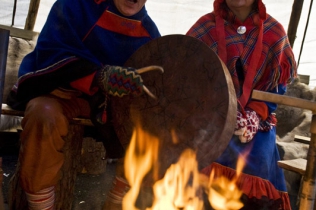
(182, 185)
(223, 193)
(139, 159)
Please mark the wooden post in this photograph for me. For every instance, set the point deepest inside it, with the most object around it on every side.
(4, 45)
(31, 15)
(308, 192)
(294, 20)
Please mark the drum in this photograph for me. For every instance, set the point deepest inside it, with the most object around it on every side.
(196, 100)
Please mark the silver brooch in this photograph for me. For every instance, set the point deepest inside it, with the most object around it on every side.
(241, 29)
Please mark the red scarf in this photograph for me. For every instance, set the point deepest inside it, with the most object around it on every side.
(264, 50)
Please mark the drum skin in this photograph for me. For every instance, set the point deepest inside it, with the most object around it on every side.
(196, 100)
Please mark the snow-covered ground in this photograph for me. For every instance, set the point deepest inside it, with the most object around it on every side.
(176, 17)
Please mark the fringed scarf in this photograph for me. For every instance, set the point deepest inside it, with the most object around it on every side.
(264, 50)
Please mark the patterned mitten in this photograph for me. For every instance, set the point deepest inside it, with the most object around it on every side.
(120, 81)
(247, 132)
(241, 124)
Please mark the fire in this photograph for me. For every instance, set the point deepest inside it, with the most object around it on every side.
(182, 186)
(140, 157)
(224, 194)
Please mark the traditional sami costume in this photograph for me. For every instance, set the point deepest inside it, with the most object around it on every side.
(260, 58)
(79, 38)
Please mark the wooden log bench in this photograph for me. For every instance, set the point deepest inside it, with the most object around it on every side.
(76, 157)
(297, 165)
(302, 139)
(68, 174)
(72, 165)
(73, 150)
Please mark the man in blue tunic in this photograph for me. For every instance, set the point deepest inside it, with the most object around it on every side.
(75, 64)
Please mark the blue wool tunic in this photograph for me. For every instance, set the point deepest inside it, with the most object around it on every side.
(92, 32)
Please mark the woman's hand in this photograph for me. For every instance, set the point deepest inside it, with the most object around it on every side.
(247, 125)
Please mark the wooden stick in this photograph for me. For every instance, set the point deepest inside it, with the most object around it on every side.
(149, 93)
(31, 15)
(284, 100)
(147, 69)
(294, 20)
